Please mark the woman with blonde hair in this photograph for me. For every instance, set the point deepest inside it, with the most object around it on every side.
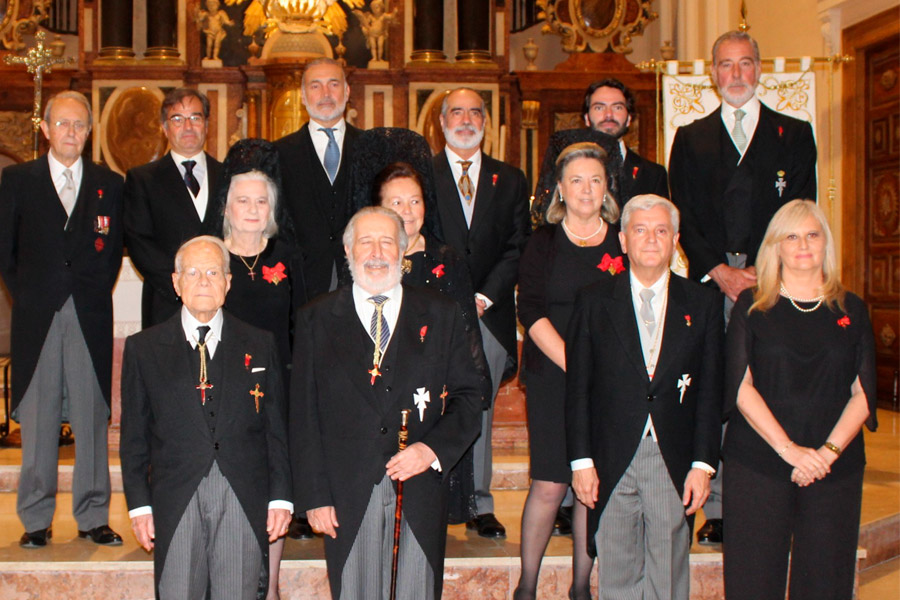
(800, 384)
(578, 246)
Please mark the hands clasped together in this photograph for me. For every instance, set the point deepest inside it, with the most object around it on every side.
(809, 464)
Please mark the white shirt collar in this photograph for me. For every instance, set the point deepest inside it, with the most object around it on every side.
(623, 148)
(199, 158)
(57, 168)
(390, 309)
(340, 127)
(454, 159)
(189, 325)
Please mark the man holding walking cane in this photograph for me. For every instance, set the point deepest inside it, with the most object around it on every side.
(363, 354)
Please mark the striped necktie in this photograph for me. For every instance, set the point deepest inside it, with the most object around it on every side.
(378, 328)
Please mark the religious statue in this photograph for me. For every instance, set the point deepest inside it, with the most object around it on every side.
(212, 22)
(374, 26)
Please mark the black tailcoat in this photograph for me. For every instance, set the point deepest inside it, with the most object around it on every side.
(318, 209)
(642, 176)
(492, 246)
(167, 446)
(702, 164)
(44, 260)
(344, 428)
(608, 392)
(159, 217)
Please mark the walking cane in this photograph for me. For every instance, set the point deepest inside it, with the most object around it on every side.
(401, 445)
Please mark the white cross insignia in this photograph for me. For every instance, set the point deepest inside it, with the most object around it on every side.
(683, 385)
(422, 397)
(780, 185)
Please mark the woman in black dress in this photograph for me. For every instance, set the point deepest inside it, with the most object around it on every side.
(428, 263)
(800, 384)
(267, 283)
(577, 247)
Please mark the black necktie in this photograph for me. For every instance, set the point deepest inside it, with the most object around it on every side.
(189, 180)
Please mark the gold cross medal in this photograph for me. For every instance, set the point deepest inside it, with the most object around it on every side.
(374, 372)
(203, 386)
(257, 394)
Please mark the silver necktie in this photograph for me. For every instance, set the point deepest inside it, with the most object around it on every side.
(646, 311)
(737, 134)
(67, 195)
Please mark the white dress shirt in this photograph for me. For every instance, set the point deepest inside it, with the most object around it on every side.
(751, 109)
(202, 198)
(57, 177)
(189, 325)
(320, 139)
(660, 295)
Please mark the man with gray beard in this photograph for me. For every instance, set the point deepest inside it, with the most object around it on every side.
(315, 167)
(363, 354)
(483, 208)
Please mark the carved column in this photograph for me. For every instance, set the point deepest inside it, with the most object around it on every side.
(473, 27)
(428, 32)
(115, 30)
(162, 31)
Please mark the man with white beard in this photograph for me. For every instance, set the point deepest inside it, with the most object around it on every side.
(483, 208)
(315, 170)
(363, 355)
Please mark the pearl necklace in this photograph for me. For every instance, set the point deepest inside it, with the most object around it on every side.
(818, 300)
(582, 241)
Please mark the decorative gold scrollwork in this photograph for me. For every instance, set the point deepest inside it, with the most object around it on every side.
(13, 27)
(596, 24)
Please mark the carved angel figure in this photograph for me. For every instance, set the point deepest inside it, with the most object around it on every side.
(375, 25)
(212, 23)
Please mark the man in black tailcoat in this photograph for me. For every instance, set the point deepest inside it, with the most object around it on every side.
(729, 173)
(60, 253)
(171, 200)
(204, 447)
(363, 354)
(483, 209)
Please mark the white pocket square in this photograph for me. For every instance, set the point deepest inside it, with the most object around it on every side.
(257, 369)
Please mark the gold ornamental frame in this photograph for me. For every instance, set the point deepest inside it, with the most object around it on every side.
(13, 27)
(573, 21)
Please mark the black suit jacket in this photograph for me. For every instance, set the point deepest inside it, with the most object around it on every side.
(167, 446)
(642, 176)
(319, 210)
(44, 260)
(159, 217)
(608, 392)
(699, 173)
(493, 245)
(344, 428)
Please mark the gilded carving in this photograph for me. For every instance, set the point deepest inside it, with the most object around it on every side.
(886, 205)
(596, 25)
(12, 28)
(133, 134)
(15, 134)
(887, 335)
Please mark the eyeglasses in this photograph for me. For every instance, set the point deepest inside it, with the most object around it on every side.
(78, 126)
(179, 120)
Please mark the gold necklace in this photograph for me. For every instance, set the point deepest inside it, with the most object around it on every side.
(250, 268)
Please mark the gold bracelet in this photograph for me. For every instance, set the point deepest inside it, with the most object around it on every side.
(785, 449)
(836, 449)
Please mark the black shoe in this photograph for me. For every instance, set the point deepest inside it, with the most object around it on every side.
(563, 524)
(35, 539)
(487, 526)
(103, 535)
(300, 529)
(710, 533)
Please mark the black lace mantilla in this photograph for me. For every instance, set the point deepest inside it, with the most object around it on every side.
(559, 140)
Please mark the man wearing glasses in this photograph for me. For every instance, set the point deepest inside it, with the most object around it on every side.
(60, 252)
(170, 200)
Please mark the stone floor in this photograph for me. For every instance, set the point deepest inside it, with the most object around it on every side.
(476, 567)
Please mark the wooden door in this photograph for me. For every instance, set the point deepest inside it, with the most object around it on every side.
(874, 254)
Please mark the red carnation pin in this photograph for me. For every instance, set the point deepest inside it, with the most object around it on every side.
(247, 358)
(274, 274)
(780, 131)
(438, 271)
(634, 173)
(687, 320)
(613, 266)
(100, 193)
(494, 179)
(844, 321)
(422, 333)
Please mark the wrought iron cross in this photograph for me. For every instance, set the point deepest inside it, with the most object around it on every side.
(39, 59)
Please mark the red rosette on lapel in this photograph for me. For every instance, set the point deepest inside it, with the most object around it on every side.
(613, 266)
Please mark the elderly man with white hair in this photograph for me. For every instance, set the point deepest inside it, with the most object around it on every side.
(204, 448)
(363, 354)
